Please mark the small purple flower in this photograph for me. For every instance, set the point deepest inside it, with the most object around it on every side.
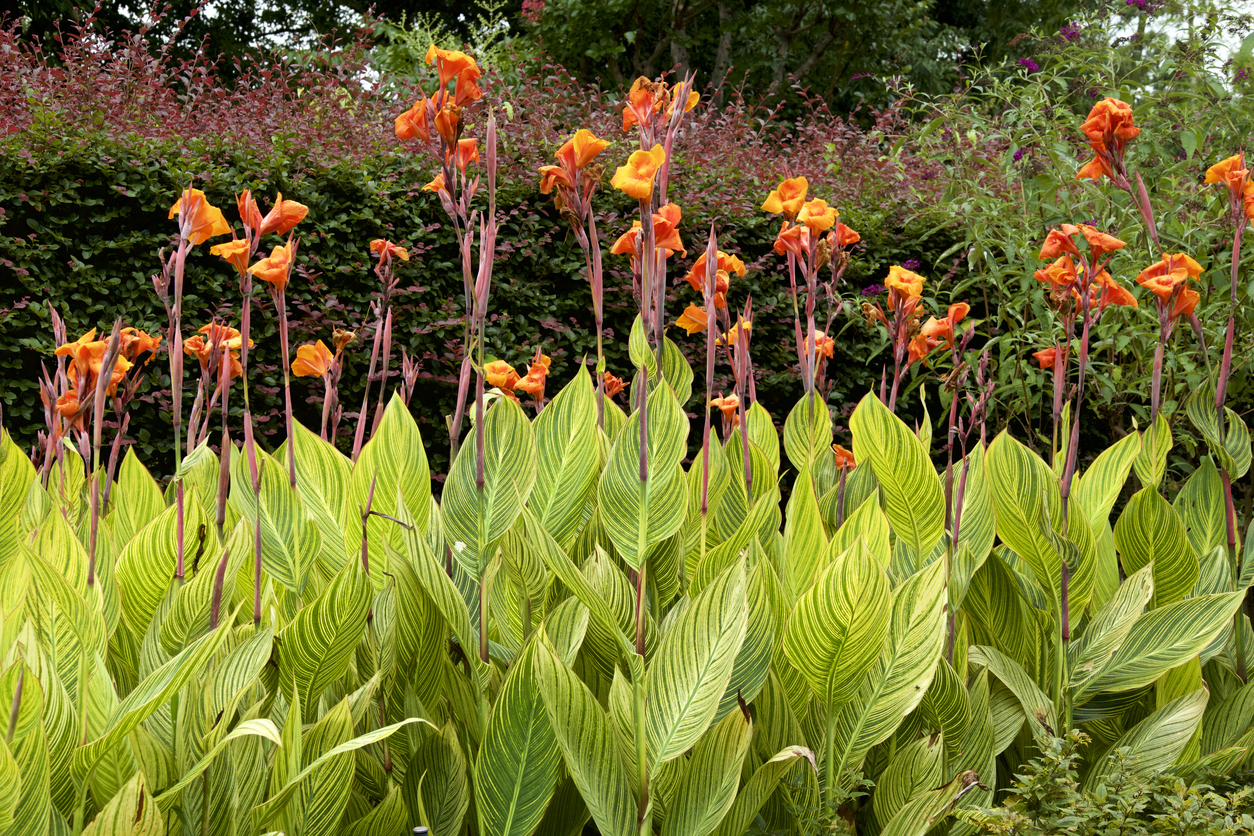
(1019, 154)
(872, 289)
(911, 264)
(1029, 65)
(1070, 33)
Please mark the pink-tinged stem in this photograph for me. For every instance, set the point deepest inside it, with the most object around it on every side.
(114, 452)
(359, 436)
(742, 357)
(225, 451)
(250, 450)
(16, 706)
(178, 501)
(219, 580)
(597, 279)
(365, 518)
(840, 498)
(711, 328)
(383, 376)
(102, 384)
(280, 298)
(326, 403)
(1060, 373)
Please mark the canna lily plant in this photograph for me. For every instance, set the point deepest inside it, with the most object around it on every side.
(592, 623)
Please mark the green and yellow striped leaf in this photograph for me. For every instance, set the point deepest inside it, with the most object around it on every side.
(1231, 447)
(436, 790)
(636, 514)
(587, 742)
(807, 432)
(925, 811)
(322, 477)
(1200, 505)
(474, 519)
(145, 569)
(290, 539)
(1106, 633)
(1036, 706)
(1098, 487)
(910, 490)
(519, 763)
(755, 792)
(708, 787)
(1150, 531)
(805, 543)
(1153, 744)
(692, 666)
(916, 768)
(1151, 462)
(129, 813)
(838, 627)
(395, 460)
(567, 459)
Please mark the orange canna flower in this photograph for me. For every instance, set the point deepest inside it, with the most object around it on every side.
(730, 407)
(1099, 242)
(1045, 357)
(553, 175)
(636, 177)
(693, 320)
(386, 249)
(1059, 242)
(613, 385)
(726, 265)
(1110, 121)
(844, 458)
(436, 185)
(467, 152)
(580, 149)
(817, 216)
(1186, 301)
(1060, 274)
(1165, 275)
(500, 374)
(413, 122)
(920, 347)
(788, 198)
(904, 284)
(793, 239)
(206, 220)
(249, 213)
(136, 344)
(68, 405)
(640, 102)
(73, 349)
(942, 330)
(533, 382)
(448, 123)
(452, 64)
(283, 216)
(235, 253)
(1231, 172)
(666, 229)
(843, 236)
(732, 337)
(467, 89)
(1112, 293)
(820, 344)
(1098, 167)
(313, 360)
(275, 268)
(689, 103)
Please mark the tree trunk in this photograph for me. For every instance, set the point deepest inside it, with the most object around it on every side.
(722, 58)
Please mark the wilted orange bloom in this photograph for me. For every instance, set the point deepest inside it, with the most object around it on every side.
(1098, 167)
(665, 233)
(500, 374)
(275, 267)
(87, 361)
(903, 284)
(448, 122)
(613, 385)
(1045, 357)
(1110, 121)
(817, 216)
(436, 185)
(580, 149)
(730, 407)
(467, 152)
(249, 212)
(386, 249)
(413, 122)
(234, 252)
(693, 320)
(450, 64)
(1165, 275)
(313, 360)
(640, 102)
(819, 343)
(843, 236)
(1060, 274)
(1058, 242)
(1099, 242)
(844, 458)
(787, 198)
(636, 177)
(1231, 172)
(283, 216)
(732, 337)
(1112, 293)
(136, 344)
(920, 347)
(207, 220)
(942, 330)
(342, 339)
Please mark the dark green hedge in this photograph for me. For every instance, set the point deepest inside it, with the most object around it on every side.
(83, 221)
